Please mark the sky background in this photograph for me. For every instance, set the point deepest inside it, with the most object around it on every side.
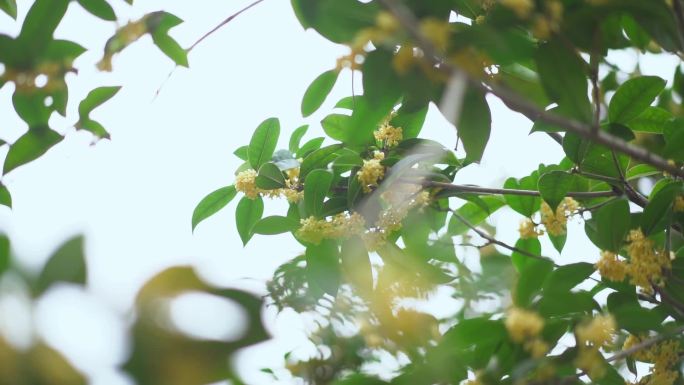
(133, 197)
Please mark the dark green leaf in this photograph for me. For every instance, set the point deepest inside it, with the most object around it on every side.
(563, 74)
(336, 126)
(318, 159)
(263, 142)
(275, 225)
(9, 7)
(474, 124)
(633, 97)
(99, 8)
(612, 224)
(160, 24)
(566, 277)
(318, 183)
(528, 245)
(30, 146)
(381, 85)
(532, 277)
(659, 208)
(651, 120)
(5, 256)
(554, 185)
(296, 138)
(525, 205)
(310, 146)
(5, 196)
(67, 264)
(247, 214)
(212, 203)
(323, 266)
(317, 92)
(558, 303)
(270, 177)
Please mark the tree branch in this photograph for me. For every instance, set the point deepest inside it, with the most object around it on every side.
(523, 106)
(221, 24)
(508, 191)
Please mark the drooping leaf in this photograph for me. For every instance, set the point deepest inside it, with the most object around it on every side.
(554, 185)
(247, 214)
(474, 124)
(160, 25)
(30, 146)
(212, 203)
(275, 225)
(317, 92)
(67, 264)
(318, 183)
(263, 142)
(633, 97)
(270, 177)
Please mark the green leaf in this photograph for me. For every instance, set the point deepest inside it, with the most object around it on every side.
(99, 8)
(411, 121)
(275, 225)
(554, 185)
(563, 75)
(310, 146)
(381, 85)
(336, 126)
(337, 20)
(478, 337)
(633, 97)
(525, 205)
(30, 146)
(474, 214)
(212, 203)
(318, 159)
(673, 133)
(94, 99)
(270, 177)
(5, 196)
(67, 264)
(474, 124)
(356, 264)
(296, 137)
(247, 214)
(558, 241)
(532, 277)
(612, 224)
(263, 143)
(9, 7)
(317, 185)
(5, 256)
(529, 245)
(241, 152)
(318, 90)
(659, 209)
(160, 24)
(323, 266)
(651, 120)
(568, 276)
(40, 24)
(640, 171)
(558, 303)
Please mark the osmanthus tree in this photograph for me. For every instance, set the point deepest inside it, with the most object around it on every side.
(379, 219)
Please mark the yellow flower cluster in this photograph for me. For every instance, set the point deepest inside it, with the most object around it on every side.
(556, 222)
(664, 356)
(524, 326)
(371, 172)
(590, 361)
(521, 8)
(342, 225)
(389, 135)
(437, 31)
(644, 268)
(646, 264)
(245, 182)
(528, 229)
(678, 205)
(548, 21)
(610, 267)
(598, 332)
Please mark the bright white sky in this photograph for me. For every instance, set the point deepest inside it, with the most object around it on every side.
(133, 196)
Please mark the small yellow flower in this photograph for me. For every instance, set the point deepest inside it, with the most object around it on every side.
(528, 229)
(646, 264)
(523, 324)
(245, 182)
(521, 8)
(388, 134)
(437, 31)
(610, 267)
(537, 348)
(480, 19)
(385, 21)
(541, 28)
(556, 222)
(371, 172)
(590, 360)
(679, 204)
(598, 332)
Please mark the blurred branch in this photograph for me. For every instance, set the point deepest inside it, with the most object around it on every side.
(523, 106)
(221, 24)
(508, 191)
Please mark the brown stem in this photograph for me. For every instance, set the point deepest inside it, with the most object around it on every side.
(523, 106)
(221, 24)
(508, 191)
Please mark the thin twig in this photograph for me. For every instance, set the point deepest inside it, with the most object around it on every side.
(644, 344)
(221, 24)
(523, 106)
(508, 191)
